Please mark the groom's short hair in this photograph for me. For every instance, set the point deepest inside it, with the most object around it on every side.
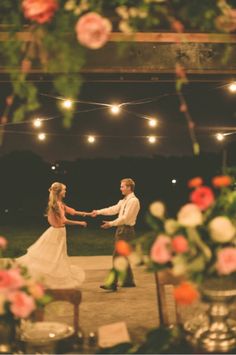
(129, 182)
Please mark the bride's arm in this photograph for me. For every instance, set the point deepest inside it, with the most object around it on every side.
(70, 222)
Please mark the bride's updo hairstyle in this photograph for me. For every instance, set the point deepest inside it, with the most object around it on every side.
(54, 193)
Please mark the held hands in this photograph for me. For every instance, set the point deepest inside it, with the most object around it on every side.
(89, 214)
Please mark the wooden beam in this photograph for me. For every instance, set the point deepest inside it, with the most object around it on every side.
(161, 37)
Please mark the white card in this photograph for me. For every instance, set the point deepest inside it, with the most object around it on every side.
(113, 334)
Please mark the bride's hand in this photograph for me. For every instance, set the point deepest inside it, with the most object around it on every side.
(83, 224)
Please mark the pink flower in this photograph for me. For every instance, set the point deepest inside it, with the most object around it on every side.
(180, 244)
(21, 304)
(26, 66)
(93, 30)
(160, 251)
(40, 11)
(3, 243)
(203, 197)
(226, 261)
(177, 26)
(10, 279)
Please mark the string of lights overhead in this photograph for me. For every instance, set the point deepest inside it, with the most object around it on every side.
(115, 109)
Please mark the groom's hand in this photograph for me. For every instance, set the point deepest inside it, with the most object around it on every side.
(105, 225)
(93, 213)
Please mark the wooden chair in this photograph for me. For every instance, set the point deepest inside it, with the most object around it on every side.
(69, 295)
(165, 282)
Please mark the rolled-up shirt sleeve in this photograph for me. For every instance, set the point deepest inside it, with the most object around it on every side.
(129, 216)
(110, 211)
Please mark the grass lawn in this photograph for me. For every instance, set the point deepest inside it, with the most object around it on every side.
(80, 241)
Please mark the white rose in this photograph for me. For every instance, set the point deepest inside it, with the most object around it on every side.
(171, 226)
(179, 266)
(221, 229)
(190, 215)
(120, 263)
(157, 209)
(134, 258)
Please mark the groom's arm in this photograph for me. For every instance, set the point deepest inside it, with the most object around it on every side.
(109, 211)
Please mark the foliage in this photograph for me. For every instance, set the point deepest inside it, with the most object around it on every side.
(55, 48)
(20, 294)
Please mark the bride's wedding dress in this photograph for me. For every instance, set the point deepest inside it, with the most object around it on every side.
(47, 259)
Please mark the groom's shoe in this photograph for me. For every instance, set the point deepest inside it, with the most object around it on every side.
(111, 288)
(132, 284)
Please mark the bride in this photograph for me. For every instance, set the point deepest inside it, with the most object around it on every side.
(47, 258)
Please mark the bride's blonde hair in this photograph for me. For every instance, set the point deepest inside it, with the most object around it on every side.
(54, 193)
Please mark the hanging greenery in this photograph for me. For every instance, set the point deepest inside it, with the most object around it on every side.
(55, 36)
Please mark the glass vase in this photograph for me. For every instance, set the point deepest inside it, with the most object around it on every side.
(7, 334)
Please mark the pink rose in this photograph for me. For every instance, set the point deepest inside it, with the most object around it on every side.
(22, 305)
(3, 243)
(160, 251)
(180, 244)
(40, 11)
(10, 279)
(93, 30)
(226, 261)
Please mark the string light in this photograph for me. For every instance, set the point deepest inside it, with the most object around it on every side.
(53, 167)
(174, 181)
(152, 139)
(232, 87)
(220, 136)
(37, 123)
(115, 109)
(91, 139)
(41, 136)
(152, 122)
(67, 104)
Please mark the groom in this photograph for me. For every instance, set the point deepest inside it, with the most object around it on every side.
(127, 210)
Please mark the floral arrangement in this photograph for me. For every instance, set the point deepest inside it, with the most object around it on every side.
(199, 244)
(64, 29)
(20, 295)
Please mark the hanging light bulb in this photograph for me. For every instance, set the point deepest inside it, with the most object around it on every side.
(220, 136)
(152, 139)
(152, 122)
(91, 139)
(115, 109)
(41, 136)
(232, 87)
(67, 104)
(37, 123)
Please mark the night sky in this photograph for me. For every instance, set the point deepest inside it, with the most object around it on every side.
(212, 108)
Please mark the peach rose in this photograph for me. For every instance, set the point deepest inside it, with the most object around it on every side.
(221, 181)
(40, 11)
(22, 305)
(93, 30)
(160, 251)
(221, 229)
(186, 293)
(226, 261)
(36, 290)
(123, 248)
(195, 182)
(180, 244)
(3, 243)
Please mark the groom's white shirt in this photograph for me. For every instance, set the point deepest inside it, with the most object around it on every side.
(127, 210)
